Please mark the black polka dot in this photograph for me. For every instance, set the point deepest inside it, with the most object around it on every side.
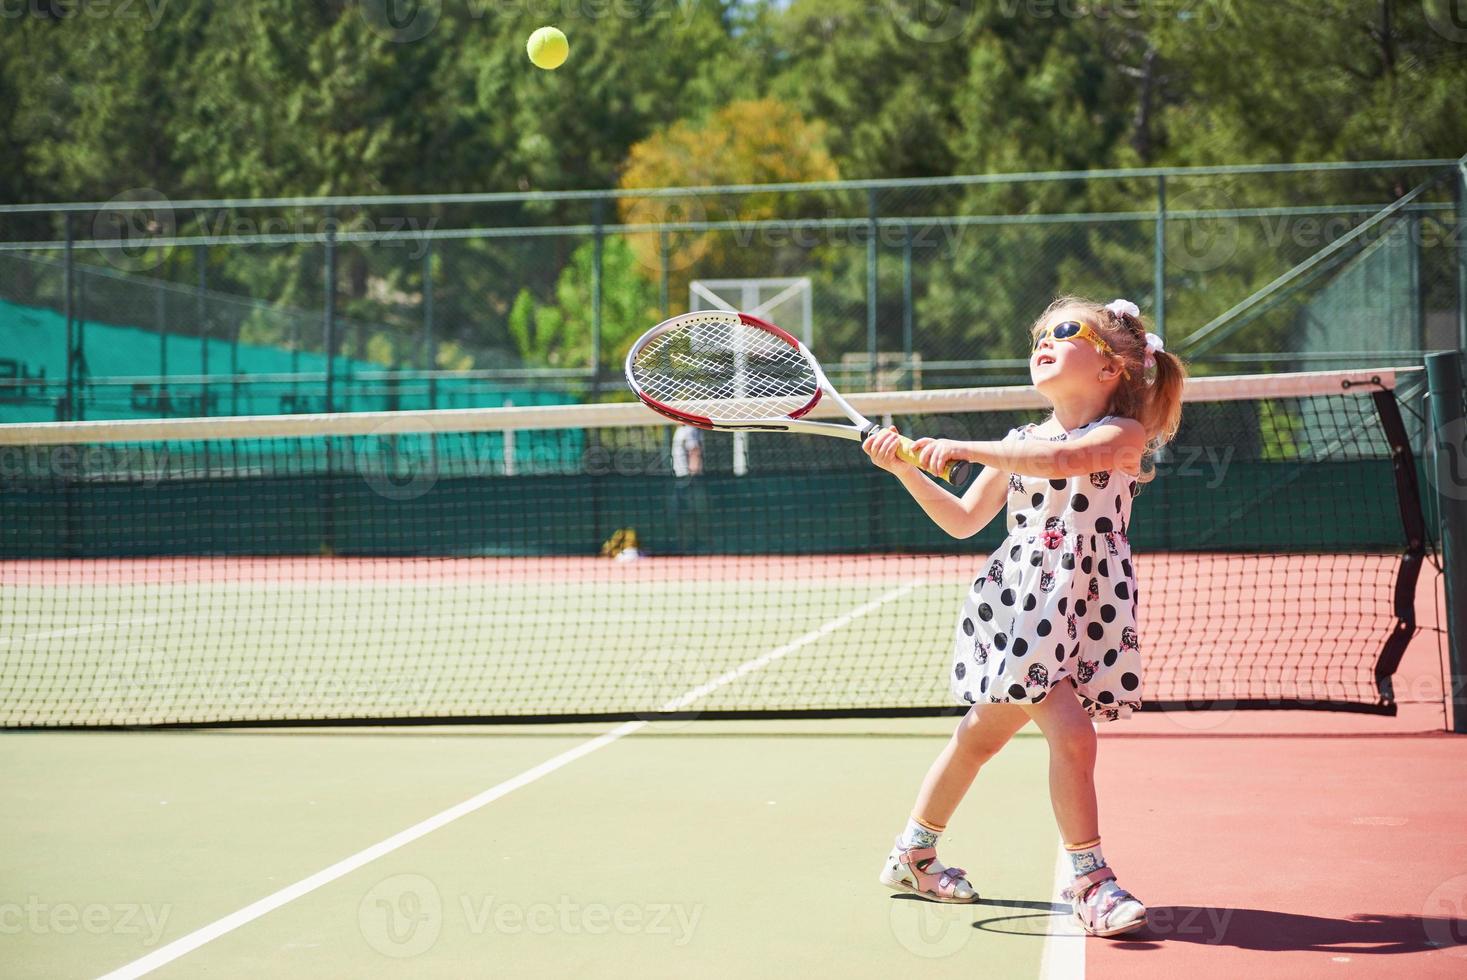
(1123, 591)
(968, 626)
(1080, 607)
(1006, 597)
(1020, 519)
(978, 584)
(1040, 696)
(961, 670)
(1037, 499)
(1001, 666)
(1014, 553)
(1059, 652)
(1080, 502)
(985, 611)
(1109, 658)
(983, 686)
(1067, 560)
(1108, 613)
(1021, 647)
(1036, 558)
(1063, 603)
(1059, 484)
(1103, 525)
(1086, 564)
(1105, 697)
(1118, 503)
(1030, 602)
(1104, 568)
(968, 696)
(1016, 691)
(1130, 681)
(1126, 566)
(1000, 640)
(1095, 631)
(1074, 650)
(1043, 628)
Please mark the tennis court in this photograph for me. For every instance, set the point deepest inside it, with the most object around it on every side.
(708, 751)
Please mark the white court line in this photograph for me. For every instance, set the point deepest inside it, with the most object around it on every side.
(1064, 946)
(187, 944)
(78, 630)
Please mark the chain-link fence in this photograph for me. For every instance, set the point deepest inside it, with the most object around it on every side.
(142, 306)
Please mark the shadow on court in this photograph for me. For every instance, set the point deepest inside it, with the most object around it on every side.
(1273, 931)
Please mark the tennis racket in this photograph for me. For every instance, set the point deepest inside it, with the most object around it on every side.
(716, 369)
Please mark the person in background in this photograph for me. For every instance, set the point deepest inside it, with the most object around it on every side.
(689, 501)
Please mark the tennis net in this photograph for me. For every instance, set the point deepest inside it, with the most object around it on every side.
(546, 563)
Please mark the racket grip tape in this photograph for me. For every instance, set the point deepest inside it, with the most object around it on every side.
(957, 470)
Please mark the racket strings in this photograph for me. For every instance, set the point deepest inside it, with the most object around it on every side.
(725, 369)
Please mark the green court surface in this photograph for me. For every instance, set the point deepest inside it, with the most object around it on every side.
(416, 640)
(703, 848)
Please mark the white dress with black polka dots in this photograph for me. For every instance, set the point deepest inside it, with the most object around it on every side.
(1057, 599)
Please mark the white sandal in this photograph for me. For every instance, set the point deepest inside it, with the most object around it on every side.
(907, 869)
(1102, 907)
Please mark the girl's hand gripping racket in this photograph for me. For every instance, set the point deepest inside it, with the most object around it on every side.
(716, 369)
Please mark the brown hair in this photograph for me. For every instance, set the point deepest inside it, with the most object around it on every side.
(1151, 396)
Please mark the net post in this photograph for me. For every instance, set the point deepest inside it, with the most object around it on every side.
(1448, 428)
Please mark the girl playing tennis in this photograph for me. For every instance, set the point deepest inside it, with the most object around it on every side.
(1048, 630)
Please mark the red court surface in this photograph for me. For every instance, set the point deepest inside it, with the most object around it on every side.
(1300, 856)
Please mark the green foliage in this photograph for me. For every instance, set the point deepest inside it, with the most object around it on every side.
(284, 97)
(559, 334)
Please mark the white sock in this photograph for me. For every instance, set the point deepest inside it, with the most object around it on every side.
(1085, 858)
(919, 835)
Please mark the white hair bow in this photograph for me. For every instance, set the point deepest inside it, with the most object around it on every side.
(1124, 307)
(1153, 344)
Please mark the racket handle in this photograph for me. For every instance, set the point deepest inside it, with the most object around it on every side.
(957, 470)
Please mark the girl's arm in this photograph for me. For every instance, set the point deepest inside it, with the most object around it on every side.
(962, 516)
(1114, 445)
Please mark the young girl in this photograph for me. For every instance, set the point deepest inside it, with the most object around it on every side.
(1048, 630)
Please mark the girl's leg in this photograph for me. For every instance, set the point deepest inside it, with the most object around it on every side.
(1101, 906)
(1071, 737)
(984, 730)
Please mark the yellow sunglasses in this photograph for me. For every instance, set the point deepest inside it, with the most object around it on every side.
(1075, 330)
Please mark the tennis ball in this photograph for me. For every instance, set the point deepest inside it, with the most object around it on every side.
(548, 48)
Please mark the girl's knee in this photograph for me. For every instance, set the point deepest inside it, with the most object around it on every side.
(1074, 743)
